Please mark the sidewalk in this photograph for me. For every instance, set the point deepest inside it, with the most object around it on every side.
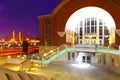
(70, 72)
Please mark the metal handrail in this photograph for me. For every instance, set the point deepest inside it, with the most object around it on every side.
(51, 55)
(54, 51)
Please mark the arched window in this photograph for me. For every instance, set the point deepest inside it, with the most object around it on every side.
(93, 29)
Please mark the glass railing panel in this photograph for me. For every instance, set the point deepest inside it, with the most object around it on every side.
(53, 54)
(54, 57)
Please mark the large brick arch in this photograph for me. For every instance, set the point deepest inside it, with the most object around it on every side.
(67, 7)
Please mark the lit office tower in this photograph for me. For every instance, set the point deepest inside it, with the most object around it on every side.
(20, 36)
(13, 35)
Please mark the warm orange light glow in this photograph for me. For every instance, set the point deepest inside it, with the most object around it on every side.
(3, 39)
(51, 51)
(112, 35)
(27, 39)
(9, 56)
(18, 56)
(36, 64)
(112, 39)
(45, 54)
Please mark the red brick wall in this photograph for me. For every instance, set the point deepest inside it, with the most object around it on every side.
(60, 18)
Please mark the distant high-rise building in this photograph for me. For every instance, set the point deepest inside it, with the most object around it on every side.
(20, 37)
(13, 36)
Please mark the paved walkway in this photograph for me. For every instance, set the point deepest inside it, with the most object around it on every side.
(14, 67)
(70, 72)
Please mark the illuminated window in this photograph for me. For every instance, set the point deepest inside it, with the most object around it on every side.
(92, 24)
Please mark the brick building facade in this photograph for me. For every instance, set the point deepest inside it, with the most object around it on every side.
(51, 24)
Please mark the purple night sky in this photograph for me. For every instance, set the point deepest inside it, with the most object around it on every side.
(22, 15)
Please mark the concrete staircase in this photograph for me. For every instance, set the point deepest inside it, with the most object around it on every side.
(6, 74)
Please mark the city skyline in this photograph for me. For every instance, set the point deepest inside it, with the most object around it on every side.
(22, 16)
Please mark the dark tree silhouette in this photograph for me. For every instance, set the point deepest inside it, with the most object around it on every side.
(25, 46)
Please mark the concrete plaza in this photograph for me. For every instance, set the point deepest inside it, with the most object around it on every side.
(73, 72)
(60, 71)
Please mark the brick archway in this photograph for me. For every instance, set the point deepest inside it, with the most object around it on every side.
(66, 8)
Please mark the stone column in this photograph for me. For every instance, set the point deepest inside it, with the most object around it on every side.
(94, 58)
(83, 32)
(97, 37)
(103, 29)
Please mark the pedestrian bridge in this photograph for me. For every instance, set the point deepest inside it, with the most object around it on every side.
(48, 57)
(97, 48)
